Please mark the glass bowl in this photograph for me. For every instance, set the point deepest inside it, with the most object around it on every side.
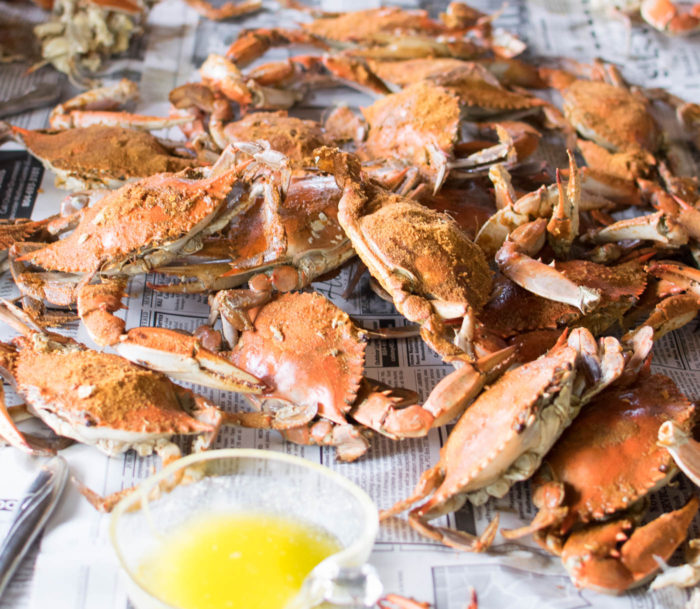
(247, 480)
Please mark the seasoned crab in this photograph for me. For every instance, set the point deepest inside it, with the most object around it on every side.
(395, 33)
(128, 232)
(89, 145)
(503, 436)
(508, 72)
(513, 310)
(420, 125)
(100, 399)
(293, 137)
(620, 133)
(579, 487)
(421, 258)
(100, 156)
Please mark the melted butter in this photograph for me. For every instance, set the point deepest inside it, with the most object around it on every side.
(238, 561)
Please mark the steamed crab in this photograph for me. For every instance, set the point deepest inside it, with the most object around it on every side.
(421, 258)
(130, 231)
(589, 507)
(620, 133)
(89, 145)
(504, 435)
(284, 241)
(315, 372)
(421, 125)
(100, 399)
(389, 33)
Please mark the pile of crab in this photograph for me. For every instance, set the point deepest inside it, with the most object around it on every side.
(520, 273)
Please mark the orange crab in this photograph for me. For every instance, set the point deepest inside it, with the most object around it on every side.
(619, 287)
(281, 242)
(504, 435)
(389, 33)
(589, 508)
(421, 258)
(420, 125)
(128, 232)
(89, 145)
(101, 399)
(315, 370)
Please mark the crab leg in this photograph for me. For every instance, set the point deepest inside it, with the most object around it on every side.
(13, 436)
(683, 448)
(447, 401)
(101, 98)
(349, 442)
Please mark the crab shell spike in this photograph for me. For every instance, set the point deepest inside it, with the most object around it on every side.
(683, 448)
(183, 357)
(593, 561)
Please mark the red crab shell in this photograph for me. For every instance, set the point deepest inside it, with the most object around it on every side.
(306, 220)
(414, 125)
(307, 350)
(609, 457)
(363, 25)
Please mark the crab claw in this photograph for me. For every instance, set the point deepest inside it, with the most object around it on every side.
(183, 357)
(594, 559)
(538, 277)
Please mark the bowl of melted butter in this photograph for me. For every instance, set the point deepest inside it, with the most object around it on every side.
(238, 528)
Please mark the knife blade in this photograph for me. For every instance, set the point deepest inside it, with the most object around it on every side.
(31, 515)
(43, 95)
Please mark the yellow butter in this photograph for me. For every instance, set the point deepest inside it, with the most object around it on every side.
(241, 561)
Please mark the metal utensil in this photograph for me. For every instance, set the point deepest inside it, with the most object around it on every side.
(43, 95)
(31, 515)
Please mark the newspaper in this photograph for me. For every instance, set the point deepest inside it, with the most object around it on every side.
(73, 567)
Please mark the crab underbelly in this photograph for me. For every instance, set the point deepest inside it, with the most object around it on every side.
(521, 458)
(112, 442)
